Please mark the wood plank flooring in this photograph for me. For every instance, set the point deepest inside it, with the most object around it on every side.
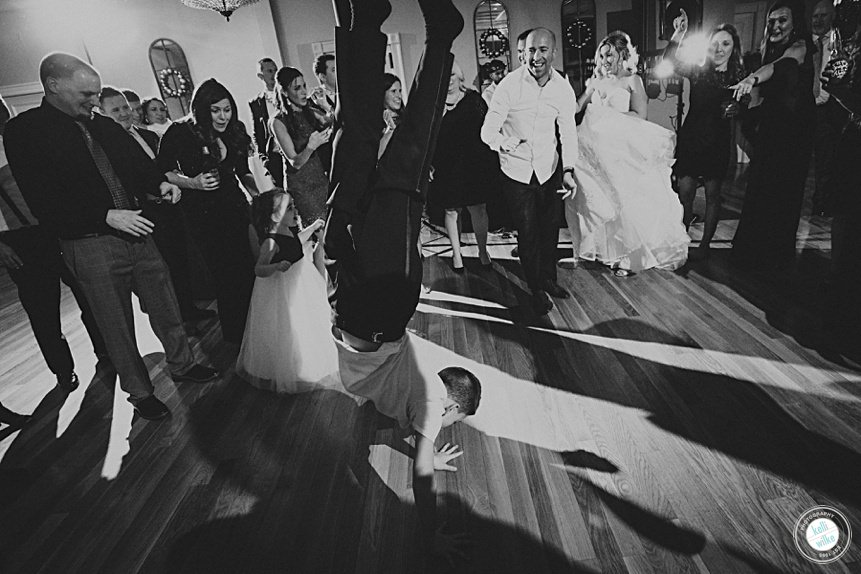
(668, 422)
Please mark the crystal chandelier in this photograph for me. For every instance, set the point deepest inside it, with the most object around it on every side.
(223, 7)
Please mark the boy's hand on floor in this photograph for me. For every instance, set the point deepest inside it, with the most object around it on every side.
(442, 457)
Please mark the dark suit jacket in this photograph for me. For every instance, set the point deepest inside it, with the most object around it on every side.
(260, 115)
(58, 176)
(265, 141)
(151, 138)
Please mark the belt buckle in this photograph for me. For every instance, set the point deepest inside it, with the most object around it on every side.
(377, 337)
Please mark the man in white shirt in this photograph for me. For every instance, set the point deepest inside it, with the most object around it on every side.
(829, 115)
(521, 125)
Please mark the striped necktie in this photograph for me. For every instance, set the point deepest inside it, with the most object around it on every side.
(121, 199)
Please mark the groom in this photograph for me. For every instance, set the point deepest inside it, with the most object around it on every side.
(372, 234)
(528, 106)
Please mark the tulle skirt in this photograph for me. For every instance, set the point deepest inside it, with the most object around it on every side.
(625, 213)
(288, 347)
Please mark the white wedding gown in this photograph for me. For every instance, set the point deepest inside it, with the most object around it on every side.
(625, 213)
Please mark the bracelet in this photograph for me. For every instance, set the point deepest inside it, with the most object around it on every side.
(568, 170)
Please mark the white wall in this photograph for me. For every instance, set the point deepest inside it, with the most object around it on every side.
(298, 27)
(117, 35)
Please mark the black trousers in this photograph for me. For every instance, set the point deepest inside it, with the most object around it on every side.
(219, 228)
(171, 238)
(536, 209)
(376, 206)
(38, 283)
(830, 118)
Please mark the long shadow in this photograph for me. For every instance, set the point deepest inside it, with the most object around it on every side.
(30, 483)
(794, 299)
(731, 416)
(318, 504)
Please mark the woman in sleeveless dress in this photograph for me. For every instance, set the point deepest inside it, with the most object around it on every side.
(624, 213)
(299, 131)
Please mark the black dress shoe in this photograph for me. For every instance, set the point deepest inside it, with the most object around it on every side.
(515, 252)
(197, 374)
(555, 290)
(151, 408)
(541, 303)
(68, 383)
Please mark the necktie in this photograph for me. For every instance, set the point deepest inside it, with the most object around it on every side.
(121, 199)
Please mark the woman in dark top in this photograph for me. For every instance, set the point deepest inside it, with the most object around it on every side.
(703, 148)
(464, 168)
(843, 317)
(206, 154)
(782, 140)
(299, 131)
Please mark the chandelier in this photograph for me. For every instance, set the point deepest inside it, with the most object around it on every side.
(223, 7)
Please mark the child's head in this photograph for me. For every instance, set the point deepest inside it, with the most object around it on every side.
(271, 209)
(464, 392)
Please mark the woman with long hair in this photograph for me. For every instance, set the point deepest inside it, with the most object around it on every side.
(300, 131)
(782, 140)
(703, 149)
(625, 213)
(206, 154)
(393, 106)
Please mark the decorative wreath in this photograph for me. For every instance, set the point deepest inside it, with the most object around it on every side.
(578, 34)
(493, 43)
(175, 77)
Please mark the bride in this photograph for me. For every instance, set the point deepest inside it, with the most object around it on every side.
(625, 213)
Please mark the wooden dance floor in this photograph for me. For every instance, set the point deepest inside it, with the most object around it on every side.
(667, 422)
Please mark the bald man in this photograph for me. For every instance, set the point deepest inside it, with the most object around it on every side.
(520, 125)
(84, 177)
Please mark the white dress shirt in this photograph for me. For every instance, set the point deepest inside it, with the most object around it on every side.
(523, 110)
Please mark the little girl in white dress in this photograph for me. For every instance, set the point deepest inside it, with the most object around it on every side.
(625, 213)
(288, 346)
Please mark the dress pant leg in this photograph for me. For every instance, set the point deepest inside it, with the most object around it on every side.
(523, 205)
(549, 212)
(87, 318)
(151, 282)
(38, 283)
(172, 242)
(406, 162)
(221, 234)
(103, 267)
(360, 57)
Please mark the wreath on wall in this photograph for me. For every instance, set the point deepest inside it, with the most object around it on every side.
(173, 83)
(493, 43)
(578, 34)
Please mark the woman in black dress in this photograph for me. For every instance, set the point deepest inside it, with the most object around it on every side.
(703, 149)
(843, 315)
(300, 131)
(782, 141)
(464, 169)
(206, 154)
